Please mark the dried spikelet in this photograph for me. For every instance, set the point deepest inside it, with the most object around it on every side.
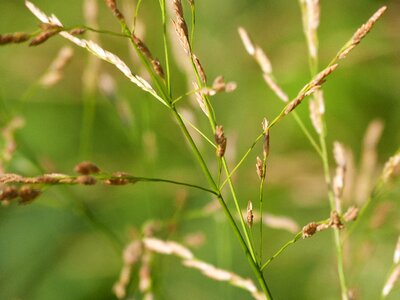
(310, 88)
(77, 31)
(199, 68)
(311, 14)
(181, 27)
(85, 180)
(309, 230)
(142, 47)
(250, 216)
(246, 40)
(392, 280)
(54, 74)
(317, 110)
(15, 38)
(112, 5)
(361, 33)
(260, 168)
(86, 168)
(335, 221)
(27, 194)
(338, 180)
(157, 67)
(220, 139)
(49, 30)
(118, 178)
(8, 193)
(275, 88)
(396, 255)
(96, 50)
(262, 60)
(392, 168)
(265, 125)
(351, 214)
(219, 85)
(199, 98)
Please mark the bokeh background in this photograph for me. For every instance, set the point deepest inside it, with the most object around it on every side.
(50, 250)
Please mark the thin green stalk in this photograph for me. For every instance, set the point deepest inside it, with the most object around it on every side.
(198, 131)
(279, 252)
(165, 42)
(196, 152)
(239, 211)
(307, 133)
(261, 192)
(242, 159)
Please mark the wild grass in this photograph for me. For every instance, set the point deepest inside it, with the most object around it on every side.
(247, 223)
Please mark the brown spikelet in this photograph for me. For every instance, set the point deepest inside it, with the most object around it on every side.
(266, 138)
(86, 168)
(118, 178)
(8, 193)
(361, 32)
(335, 221)
(158, 67)
(181, 27)
(48, 179)
(27, 194)
(77, 31)
(220, 139)
(85, 180)
(250, 216)
(351, 214)
(112, 5)
(260, 168)
(309, 230)
(310, 88)
(44, 36)
(15, 38)
(199, 68)
(142, 47)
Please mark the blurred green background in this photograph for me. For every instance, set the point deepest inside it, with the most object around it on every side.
(50, 250)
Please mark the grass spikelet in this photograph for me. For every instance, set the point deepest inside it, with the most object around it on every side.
(338, 181)
(181, 27)
(112, 5)
(317, 110)
(250, 216)
(220, 139)
(361, 33)
(199, 68)
(391, 170)
(14, 38)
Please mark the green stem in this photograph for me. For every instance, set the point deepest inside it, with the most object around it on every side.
(307, 133)
(229, 216)
(338, 245)
(239, 211)
(165, 42)
(294, 240)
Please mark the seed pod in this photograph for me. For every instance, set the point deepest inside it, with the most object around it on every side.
(86, 168)
(220, 139)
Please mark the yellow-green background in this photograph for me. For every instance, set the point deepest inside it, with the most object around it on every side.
(49, 251)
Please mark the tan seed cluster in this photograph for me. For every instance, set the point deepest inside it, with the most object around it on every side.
(262, 60)
(391, 170)
(250, 216)
(361, 33)
(14, 38)
(341, 166)
(181, 27)
(86, 168)
(112, 5)
(146, 53)
(220, 139)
